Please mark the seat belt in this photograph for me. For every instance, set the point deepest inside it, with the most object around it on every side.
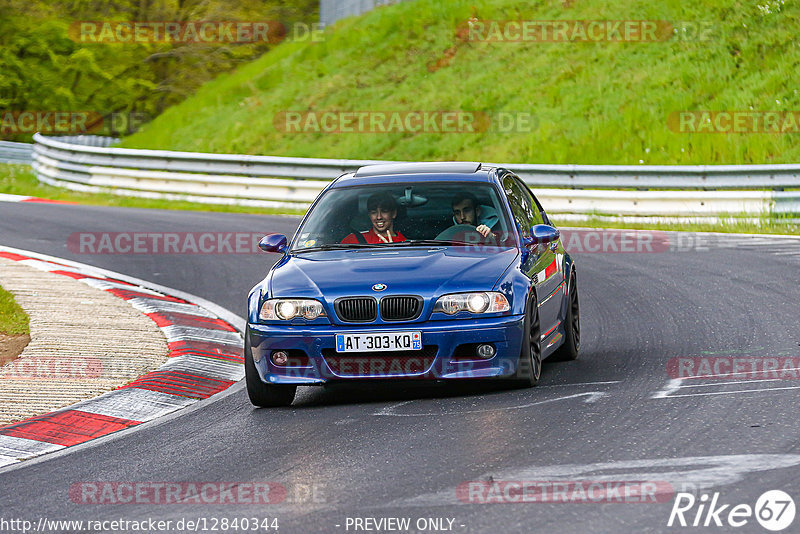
(360, 237)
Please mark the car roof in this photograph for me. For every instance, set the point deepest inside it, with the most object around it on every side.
(435, 171)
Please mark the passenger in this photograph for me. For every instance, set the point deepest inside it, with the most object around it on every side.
(466, 210)
(382, 208)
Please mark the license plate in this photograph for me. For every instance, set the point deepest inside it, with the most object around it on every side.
(378, 342)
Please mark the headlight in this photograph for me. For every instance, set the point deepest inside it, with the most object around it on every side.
(484, 302)
(286, 309)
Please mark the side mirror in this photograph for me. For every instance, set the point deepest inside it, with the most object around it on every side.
(543, 234)
(273, 243)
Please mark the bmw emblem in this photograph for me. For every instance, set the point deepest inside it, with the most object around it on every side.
(379, 287)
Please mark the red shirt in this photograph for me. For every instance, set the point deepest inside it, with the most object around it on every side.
(372, 238)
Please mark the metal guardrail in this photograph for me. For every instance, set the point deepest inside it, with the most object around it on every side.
(270, 181)
(332, 10)
(11, 152)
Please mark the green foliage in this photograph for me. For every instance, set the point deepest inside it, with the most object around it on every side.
(13, 319)
(598, 103)
(47, 66)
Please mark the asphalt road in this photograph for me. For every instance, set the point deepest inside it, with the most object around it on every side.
(380, 452)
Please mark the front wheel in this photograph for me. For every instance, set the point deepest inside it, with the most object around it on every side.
(529, 369)
(261, 394)
(572, 325)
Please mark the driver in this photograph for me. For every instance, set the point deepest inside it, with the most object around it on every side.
(466, 210)
(382, 209)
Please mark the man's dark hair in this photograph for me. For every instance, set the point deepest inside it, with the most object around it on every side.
(381, 200)
(461, 197)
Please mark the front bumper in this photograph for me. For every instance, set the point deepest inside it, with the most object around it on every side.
(446, 351)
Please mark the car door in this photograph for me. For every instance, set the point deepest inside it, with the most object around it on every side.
(542, 265)
(555, 283)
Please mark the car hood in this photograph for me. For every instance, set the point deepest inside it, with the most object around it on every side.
(425, 272)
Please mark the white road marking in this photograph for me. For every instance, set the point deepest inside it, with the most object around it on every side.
(7, 460)
(45, 266)
(205, 366)
(105, 285)
(732, 382)
(146, 305)
(673, 385)
(579, 384)
(22, 447)
(676, 384)
(213, 335)
(763, 390)
(7, 197)
(683, 474)
(592, 396)
(134, 404)
(389, 409)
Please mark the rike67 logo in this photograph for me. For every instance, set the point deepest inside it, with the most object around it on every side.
(774, 510)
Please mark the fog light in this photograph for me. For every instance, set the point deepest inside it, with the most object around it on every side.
(280, 357)
(485, 351)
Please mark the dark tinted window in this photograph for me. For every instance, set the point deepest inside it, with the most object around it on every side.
(522, 207)
(536, 217)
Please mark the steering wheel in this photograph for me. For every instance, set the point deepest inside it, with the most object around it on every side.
(459, 232)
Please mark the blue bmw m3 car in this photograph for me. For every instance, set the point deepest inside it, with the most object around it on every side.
(441, 271)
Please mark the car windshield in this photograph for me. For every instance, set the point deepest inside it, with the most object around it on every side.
(406, 214)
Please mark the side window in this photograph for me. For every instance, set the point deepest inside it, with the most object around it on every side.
(521, 207)
(536, 213)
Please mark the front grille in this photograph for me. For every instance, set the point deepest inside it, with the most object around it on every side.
(380, 364)
(402, 308)
(356, 309)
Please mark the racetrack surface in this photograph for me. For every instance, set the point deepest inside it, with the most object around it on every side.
(403, 451)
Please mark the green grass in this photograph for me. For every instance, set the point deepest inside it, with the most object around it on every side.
(20, 180)
(733, 225)
(13, 319)
(594, 103)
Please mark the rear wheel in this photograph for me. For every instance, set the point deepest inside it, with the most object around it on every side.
(261, 394)
(530, 358)
(572, 325)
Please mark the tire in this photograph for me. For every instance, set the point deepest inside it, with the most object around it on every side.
(572, 325)
(529, 369)
(261, 394)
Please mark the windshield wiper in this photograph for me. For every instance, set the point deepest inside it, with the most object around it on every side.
(409, 243)
(430, 242)
(333, 246)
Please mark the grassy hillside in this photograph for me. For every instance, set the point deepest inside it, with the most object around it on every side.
(604, 103)
(47, 64)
